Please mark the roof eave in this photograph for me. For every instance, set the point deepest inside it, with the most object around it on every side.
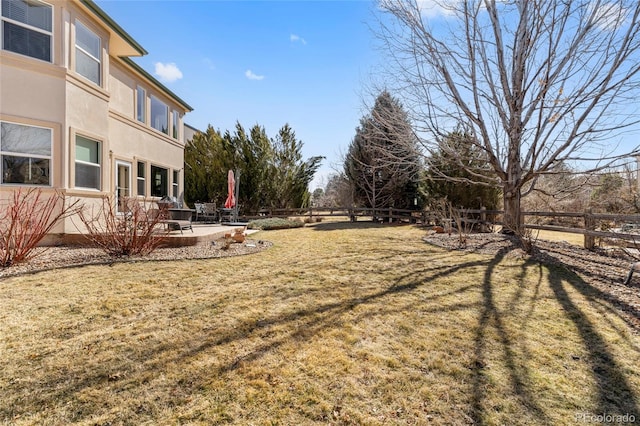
(153, 80)
(122, 43)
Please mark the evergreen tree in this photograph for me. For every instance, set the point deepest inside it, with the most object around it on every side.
(382, 162)
(271, 172)
(449, 176)
(207, 158)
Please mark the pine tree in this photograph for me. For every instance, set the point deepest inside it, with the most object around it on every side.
(382, 163)
(449, 176)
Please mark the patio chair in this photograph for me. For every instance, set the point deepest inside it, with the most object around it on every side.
(210, 213)
(171, 224)
(199, 207)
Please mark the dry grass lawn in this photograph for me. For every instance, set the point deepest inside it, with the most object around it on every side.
(335, 324)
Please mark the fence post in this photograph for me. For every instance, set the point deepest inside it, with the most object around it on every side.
(390, 213)
(310, 214)
(590, 225)
(483, 219)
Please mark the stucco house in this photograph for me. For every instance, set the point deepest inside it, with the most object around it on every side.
(77, 115)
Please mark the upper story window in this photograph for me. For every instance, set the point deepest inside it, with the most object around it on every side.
(159, 115)
(27, 28)
(88, 48)
(141, 104)
(175, 121)
(26, 154)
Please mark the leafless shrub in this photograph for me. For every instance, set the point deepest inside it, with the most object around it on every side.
(137, 231)
(451, 219)
(26, 219)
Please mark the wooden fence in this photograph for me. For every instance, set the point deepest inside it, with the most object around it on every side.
(590, 225)
(353, 213)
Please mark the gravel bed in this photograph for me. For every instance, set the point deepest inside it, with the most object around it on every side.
(48, 258)
(602, 270)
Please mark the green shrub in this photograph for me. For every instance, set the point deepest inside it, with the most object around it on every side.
(274, 223)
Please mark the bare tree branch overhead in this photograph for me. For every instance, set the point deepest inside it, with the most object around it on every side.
(537, 83)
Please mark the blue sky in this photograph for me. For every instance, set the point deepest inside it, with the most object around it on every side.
(305, 63)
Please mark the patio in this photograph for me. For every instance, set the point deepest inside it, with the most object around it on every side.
(202, 233)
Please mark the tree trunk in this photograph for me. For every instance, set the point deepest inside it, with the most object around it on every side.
(513, 219)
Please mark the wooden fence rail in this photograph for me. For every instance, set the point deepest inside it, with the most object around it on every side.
(592, 223)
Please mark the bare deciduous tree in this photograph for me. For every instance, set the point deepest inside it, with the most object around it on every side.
(538, 83)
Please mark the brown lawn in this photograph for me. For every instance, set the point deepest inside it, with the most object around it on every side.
(338, 323)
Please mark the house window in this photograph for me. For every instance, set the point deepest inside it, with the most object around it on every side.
(142, 182)
(159, 115)
(25, 153)
(27, 28)
(175, 124)
(88, 163)
(88, 47)
(159, 181)
(176, 177)
(141, 104)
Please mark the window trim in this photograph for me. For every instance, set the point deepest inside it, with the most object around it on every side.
(89, 54)
(27, 155)
(4, 19)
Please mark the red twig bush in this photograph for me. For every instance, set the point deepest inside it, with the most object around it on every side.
(137, 231)
(26, 218)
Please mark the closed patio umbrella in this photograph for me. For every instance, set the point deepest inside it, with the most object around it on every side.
(231, 198)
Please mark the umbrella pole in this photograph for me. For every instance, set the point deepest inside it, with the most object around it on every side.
(237, 192)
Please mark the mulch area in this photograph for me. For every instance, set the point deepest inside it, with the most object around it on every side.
(604, 270)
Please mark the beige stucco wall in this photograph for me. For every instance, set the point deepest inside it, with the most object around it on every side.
(33, 92)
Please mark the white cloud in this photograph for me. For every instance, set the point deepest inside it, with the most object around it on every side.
(296, 38)
(168, 73)
(251, 76)
(433, 8)
(608, 16)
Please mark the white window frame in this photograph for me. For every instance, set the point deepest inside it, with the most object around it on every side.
(97, 165)
(4, 19)
(166, 115)
(141, 179)
(121, 201)
(98, 59)
(166, 184)
(26, 155)
(175, 184)
(175, 124)
(141, 104)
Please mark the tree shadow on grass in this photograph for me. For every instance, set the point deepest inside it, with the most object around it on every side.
(614, 393)
(519, 373)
